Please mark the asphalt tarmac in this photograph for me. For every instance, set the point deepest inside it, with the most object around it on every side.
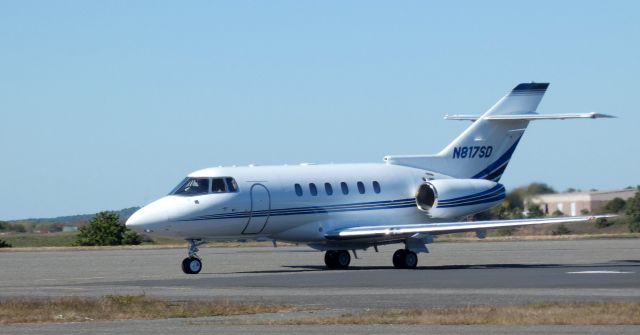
(453, 274)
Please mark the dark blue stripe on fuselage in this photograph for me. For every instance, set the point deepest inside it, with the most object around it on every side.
(403, 203)
(494, 198)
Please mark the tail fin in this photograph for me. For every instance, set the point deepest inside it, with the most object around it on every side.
(484, 149)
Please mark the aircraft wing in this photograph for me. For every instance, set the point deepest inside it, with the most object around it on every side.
(392, 232)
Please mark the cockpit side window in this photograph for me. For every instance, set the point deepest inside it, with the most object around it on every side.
(179, 186)
(232, 186)
(217, 185)
(192, 186)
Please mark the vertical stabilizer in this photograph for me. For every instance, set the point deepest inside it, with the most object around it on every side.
(484, 149)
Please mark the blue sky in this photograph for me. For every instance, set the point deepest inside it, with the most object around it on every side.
(108, 104)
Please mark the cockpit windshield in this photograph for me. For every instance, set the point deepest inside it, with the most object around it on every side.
(197, 186)
(192, 186)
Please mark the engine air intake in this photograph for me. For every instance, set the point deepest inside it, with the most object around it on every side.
(426, 197)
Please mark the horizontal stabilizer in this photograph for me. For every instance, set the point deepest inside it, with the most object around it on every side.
(529, 117)
(396, 231)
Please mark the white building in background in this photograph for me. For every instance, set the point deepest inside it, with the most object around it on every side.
(579, 203)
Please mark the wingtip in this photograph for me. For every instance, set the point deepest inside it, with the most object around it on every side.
(602, 116)
(603, 216)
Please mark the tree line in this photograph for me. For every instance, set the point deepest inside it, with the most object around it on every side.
(518, 205)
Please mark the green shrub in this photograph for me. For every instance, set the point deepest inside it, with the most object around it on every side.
(603, 223)
(534, 211)
(616, 205)
(633, 212)
(131, 238)
(634, 226)
(505, 231)
(16, 227)
(5, 244)
(105, 229)
(561, 230)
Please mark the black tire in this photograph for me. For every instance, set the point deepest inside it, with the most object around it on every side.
(398, 259)
(185, 266)
(330, 259)
(343, 259)
(191, 265)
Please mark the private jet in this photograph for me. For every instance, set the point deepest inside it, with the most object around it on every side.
(338, 208)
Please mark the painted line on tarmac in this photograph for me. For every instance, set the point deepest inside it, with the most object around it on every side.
(599, 272)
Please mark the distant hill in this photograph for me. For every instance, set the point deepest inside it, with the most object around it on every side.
(80, 218)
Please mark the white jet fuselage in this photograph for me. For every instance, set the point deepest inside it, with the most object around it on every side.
(268, 205)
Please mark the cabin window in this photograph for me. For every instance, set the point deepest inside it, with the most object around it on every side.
(192, 186)
(217, 185)
(232, 186)
(360, 187)
(328, 188)
(298, 190)
(376, 187)
(345, 188)
(313, 189)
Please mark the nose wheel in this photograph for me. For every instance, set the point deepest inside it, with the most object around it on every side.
(405, 259)
(193, 264)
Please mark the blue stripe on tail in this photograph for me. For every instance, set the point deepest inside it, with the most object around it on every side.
(494, 170)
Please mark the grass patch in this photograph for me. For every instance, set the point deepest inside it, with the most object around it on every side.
(68, 240)
(535, 314)
(35, 240)
(162, 240)
(120, 307)
(22, 240)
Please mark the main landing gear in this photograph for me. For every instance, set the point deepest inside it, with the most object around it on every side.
(405, 259)
(340, 259)
(193, 263)
(337, 259)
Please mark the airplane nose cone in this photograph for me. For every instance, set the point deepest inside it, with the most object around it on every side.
(147, 218)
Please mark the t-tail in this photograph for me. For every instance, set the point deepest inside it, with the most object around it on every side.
(484, 149)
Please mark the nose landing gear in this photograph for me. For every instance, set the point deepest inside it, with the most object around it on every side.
(193, 263)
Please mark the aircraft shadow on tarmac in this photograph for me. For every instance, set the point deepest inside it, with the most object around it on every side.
(618, 264)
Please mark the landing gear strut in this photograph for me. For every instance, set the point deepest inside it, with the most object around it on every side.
(405, 259)
(193, 263)
(337, 259)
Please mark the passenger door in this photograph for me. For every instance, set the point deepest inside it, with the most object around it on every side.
(260, 209)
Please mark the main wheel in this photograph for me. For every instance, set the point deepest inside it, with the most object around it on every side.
(330, 259)
(405, 259)
(337, 259)
(410, 260)
(343, 259)
(398, 259)
(185, 265)
(191, 265)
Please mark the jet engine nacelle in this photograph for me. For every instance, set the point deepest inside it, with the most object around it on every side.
(454, 198)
